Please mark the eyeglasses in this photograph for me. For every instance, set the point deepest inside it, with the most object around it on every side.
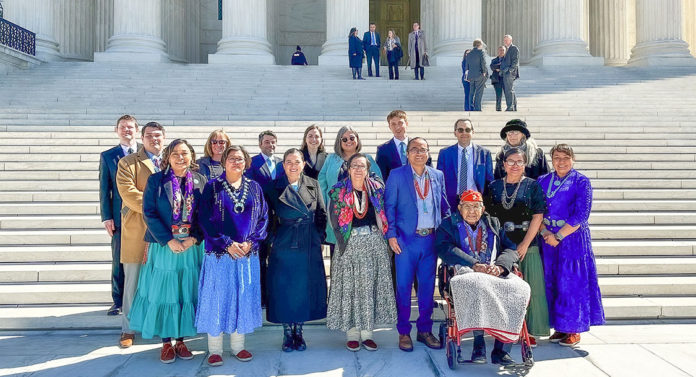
(236, 160)
(351, 138)
(221, 142)
(358, 167)
(463, 130)
(514, 163)
(513, 132)
(418, 150)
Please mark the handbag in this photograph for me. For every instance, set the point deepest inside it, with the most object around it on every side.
(426, 61)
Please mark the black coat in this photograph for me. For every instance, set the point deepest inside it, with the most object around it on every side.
(355, 52)
(296, 282)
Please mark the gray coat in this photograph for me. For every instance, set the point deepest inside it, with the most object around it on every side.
(511, 62)
(476, 64)
(422, 48)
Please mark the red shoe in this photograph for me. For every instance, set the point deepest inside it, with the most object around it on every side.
(353, 345)
(167, 355)
(369, 345)
(182, 352)
(244, 355)
(570, 340)
(214, 360)
(532, 341)
(557, 336)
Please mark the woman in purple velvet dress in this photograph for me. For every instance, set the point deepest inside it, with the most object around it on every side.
(572, 291)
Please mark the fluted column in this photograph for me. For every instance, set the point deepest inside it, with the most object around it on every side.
(689, 22)
(244, 34)
(522, 23)
(561, 27)
(137, 33)
(453, 35)
(493, 24)
(103, 23)
(174, 29)
(36, 16)
(609, 30)
(659, 39)
(74, 28)
(341, 16)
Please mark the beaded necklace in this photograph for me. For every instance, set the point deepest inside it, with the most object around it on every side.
(551, 192)
(360, 208)
(426, 189)
(509, 201)
(238, 196)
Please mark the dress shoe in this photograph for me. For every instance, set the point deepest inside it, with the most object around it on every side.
(214, 360)
(478, 355)
(557, 337)
(244, 355)
(288, 341)
(501, 357)
(126, 340)
(353, 345)
(429, 340)
(114, 310)
(405, 343)
(182, 351)
(369, 345)
(298, 341)
(532, 341)
(167, 354)
(570, 340)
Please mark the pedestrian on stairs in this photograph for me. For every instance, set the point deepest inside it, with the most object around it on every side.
(355, 54)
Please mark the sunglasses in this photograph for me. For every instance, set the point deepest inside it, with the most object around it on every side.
(511, 163)
(221, 142)
(351, 138)
(467, 130)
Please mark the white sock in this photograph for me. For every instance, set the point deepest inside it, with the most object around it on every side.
(353, 334)
(236, 342)
(365, 335)
(215, 344)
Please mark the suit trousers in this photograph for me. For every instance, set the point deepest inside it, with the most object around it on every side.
(418, 259)
(393, 70)
(116, 268)
(131, 273)
(476, 92)
(509, 88)
(498, 95)
(467, 89)
(372, 55)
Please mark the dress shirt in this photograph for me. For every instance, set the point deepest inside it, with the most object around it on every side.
(126, 147)
(398, 143)
(271, 165)
(426, 216)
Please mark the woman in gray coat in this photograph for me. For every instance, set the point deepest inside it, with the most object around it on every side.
(417, 50)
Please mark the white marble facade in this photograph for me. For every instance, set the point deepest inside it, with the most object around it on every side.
(548, 32)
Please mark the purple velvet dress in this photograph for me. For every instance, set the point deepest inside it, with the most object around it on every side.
(572, 291)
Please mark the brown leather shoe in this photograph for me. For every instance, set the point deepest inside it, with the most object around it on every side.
(182, 351)
(126, 340)
(429, 340)
(167, 354)
(405, 343)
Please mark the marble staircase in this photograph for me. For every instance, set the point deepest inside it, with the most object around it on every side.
(632, 138)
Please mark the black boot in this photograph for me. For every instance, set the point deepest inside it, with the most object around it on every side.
(288, 344)
(300, 344)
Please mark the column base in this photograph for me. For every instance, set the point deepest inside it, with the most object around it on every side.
(549, 61)
(241, 59)
(130, 57)
(47, 50)
(446, 61)
(672, 53)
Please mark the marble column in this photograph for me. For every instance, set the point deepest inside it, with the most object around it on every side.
(493, 24)
(244, 34)
(103, 23)
(522, 23)
(174, 29)
(341, 16)
(689, 22)
(74, 28)
(37, 16)
(609, 30)
(137, 34)
(458, 24)
(561, 27)
(659, 38)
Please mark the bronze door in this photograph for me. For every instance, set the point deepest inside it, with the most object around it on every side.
(397, 15)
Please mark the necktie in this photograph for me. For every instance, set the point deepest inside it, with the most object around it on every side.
(374, 43)
(158, 161)
(130, 150)
(463, 172)
(402, 152)
(270, 168)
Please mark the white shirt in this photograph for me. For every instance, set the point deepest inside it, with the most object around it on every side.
(470, 183)
(398, 143)
(126, 147)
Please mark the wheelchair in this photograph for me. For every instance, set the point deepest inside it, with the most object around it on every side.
(451, 336)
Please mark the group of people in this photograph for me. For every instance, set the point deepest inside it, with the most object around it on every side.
(369, 46)
(504, 71)
(201, 245)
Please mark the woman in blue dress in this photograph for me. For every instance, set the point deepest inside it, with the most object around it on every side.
(233, 216)
(572, 290)
(165, 301)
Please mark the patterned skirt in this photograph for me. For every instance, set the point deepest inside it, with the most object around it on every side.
(538, 311)
(165, 301)
(361, 294)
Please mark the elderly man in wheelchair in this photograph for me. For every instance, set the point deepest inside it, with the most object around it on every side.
(481, 293)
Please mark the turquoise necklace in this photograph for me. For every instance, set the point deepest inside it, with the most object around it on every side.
(551, 191)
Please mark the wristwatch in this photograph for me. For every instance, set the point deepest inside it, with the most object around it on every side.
(559, 236)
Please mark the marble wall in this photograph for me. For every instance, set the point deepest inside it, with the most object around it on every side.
(299, 22)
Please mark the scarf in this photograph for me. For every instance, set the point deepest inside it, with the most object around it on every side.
(183, 201)
(528, 146)
(475, 241)
(341, 196)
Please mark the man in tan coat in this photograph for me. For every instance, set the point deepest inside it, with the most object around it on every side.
(131, 177)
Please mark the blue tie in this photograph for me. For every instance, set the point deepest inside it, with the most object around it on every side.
(463, 173)
(270, 168)
(402, 153)
(374, 43)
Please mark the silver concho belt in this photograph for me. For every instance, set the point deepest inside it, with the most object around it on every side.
(555, 223)
(509, 226)
(363, 230)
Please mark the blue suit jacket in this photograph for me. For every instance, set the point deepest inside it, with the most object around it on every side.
(388, 158)
(258, 171)
(367, 40)
(483, 170)
(400, 202)
(109, 198)
(157, 207)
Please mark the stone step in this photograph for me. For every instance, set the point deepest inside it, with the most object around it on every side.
(53, 237)
(55, 253)
(49, 196)
(47, 293)
(646, 266)
(42, 273)
(643, 247)
(648, 285)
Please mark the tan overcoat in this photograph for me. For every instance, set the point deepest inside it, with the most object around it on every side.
(131, 177)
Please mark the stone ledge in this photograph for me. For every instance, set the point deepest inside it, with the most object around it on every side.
(11, 59)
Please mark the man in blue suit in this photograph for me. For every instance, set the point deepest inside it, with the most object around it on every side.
(110, 201)
(465, 164)
(509, 69)
(265, 169)
(392, 154)
(415, 204)
(371, 44)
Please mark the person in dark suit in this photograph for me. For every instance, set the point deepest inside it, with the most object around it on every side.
(466, 165)
(371, 44)
(509, 68)
(110, 201)
(415, 203)
(265, 169)
(313, 150)
(392, 154)
(496, 78)
(298, 57)
(355, 54)
(465, 82)
(477, 73)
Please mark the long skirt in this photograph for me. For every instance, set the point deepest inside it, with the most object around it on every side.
(229, 295)
(167, 294)
(538, 311)
(362, 294)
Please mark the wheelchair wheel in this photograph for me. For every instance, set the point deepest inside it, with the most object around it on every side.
(443, 332)
(451, 354)
(527, 355)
